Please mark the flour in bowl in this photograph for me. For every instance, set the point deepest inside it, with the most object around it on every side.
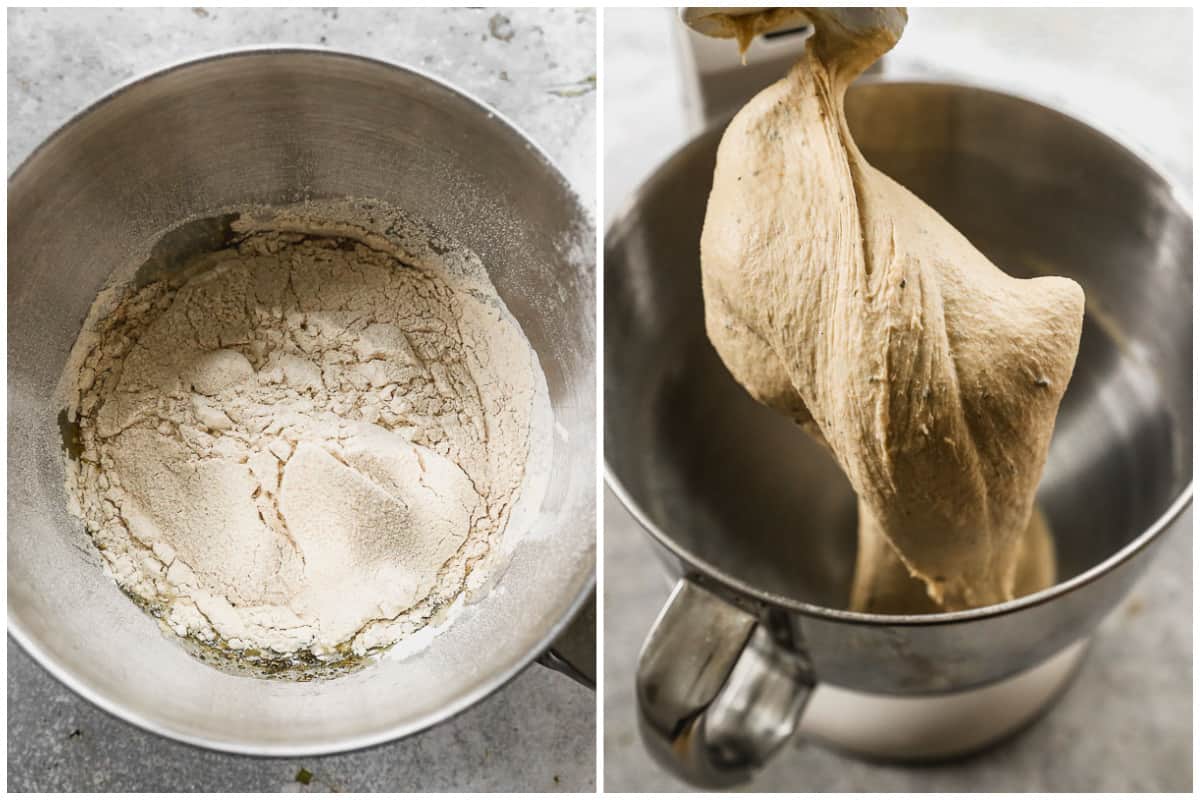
(296, 449)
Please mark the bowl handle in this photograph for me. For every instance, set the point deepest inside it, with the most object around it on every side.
(717, 692)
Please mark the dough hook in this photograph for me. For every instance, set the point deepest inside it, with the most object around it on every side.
(733, 22)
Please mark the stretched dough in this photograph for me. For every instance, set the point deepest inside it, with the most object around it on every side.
(836, 296)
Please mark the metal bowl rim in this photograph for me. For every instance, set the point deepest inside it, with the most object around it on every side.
(483, 688)
(222, 54)
(1175, 508)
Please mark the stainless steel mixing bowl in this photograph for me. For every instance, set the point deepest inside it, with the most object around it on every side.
(757, 521)
(271, 127)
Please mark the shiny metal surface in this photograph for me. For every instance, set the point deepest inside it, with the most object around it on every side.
(695, 644)
(759, 706)
(700, 18)
(276, 126)
(743, 502)
(709, 20)
(717, 696)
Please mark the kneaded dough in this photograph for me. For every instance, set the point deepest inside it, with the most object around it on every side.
(836, 296)
(884, 585)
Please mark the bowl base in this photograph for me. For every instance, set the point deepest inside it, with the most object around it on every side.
(936, 727)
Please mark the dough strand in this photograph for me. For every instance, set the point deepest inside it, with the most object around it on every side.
(836, 296)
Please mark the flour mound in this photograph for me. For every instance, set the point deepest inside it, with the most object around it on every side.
(303, 445)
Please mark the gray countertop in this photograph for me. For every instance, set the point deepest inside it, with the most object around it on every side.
(537, 67)
(1125, 722)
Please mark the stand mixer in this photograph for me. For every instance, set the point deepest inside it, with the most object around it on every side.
(757, 523)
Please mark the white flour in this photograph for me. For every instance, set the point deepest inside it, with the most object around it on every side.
(303, 446)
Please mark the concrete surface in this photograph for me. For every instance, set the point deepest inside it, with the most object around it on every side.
(1126, 722)
(538, 68)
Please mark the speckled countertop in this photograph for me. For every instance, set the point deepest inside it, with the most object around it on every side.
(537, 67)
(1125, 724)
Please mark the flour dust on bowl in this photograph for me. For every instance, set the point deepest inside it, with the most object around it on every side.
(305, 339)
(757, 522)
